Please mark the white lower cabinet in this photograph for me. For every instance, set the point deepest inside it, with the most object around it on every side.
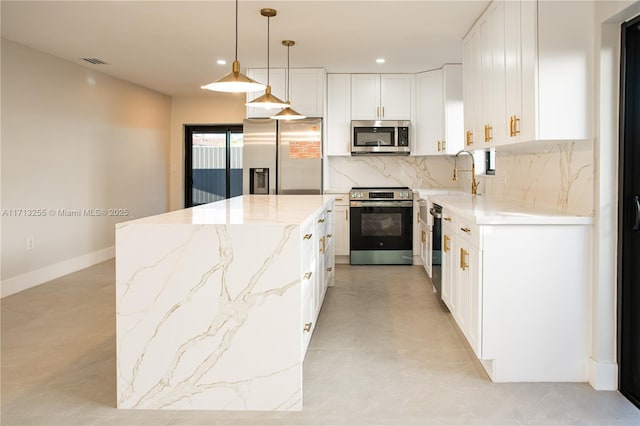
(341, 226)
(317, 268)
(520, 295)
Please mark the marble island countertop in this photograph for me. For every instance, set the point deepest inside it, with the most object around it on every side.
(487, 211)
(245, 209)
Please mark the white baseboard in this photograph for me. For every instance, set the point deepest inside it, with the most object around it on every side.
(40, 276)
(603, 375)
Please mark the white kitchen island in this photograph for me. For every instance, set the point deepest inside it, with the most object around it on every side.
(216, 304)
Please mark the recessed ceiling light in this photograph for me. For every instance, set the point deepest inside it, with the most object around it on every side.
(221, 62)
(380, 60)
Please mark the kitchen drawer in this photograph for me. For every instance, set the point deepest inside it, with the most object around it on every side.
(342, 199)
(449, 218)
(468, 231)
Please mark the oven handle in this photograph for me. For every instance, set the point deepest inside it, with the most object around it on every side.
(381, 204)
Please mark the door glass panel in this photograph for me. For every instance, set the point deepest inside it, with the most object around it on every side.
(209, 167)
(236, 146)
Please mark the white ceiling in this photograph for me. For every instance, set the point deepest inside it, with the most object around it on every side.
(172, 46)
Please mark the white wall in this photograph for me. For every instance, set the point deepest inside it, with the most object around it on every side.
(210, 108)
(608, 17)
(73, 139)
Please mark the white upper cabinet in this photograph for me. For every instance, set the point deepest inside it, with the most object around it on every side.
(306, 90)
(381, 96)
(439, 111)
(338, 140)
(529, 63)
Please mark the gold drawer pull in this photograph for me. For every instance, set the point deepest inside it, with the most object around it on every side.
(329, 235)
(424, 236)
(307, 326)
(322, 245)
(307, 236)
(448, 219)
(329, 269)
(329, 211)
(463, 262)
(307, 275)
(467, 230)
(446, 243)
(469, 138)
(320, 220)
(338, 199)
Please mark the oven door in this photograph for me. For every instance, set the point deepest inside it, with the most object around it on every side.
(381, 232)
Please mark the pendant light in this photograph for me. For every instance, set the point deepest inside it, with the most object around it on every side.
(235, 81)
(287, 113)
(267, 100)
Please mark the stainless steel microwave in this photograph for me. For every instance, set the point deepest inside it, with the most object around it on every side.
(380, 137)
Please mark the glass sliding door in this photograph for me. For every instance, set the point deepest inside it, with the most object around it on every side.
(213, 163)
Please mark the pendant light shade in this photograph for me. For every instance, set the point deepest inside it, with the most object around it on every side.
(267, 100)
(235, 81)
(287, 113)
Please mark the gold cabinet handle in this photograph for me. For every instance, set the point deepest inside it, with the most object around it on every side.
(329, 235)
(320, 220)
(444, 145)
(438, 146)
(516, 127)
(418, 217)
(446, 243)
(329, 211)
(382, 112)
(469, 137)
(467, 230)
(322, 245)
(307, 236)
(307, 326)
(338, 199)
(307, 275)
(329, 268)
(424, 236)
(448, 219)
(463, 262)
(488, 133)
(511, 126)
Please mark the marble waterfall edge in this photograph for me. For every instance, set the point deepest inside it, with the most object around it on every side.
(208, 317)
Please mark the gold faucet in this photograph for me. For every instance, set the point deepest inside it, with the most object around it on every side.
(474, 183)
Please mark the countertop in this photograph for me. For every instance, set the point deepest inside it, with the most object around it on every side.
(245, 209)
(486, 211)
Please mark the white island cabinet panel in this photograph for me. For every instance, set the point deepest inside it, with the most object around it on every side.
(212, 304)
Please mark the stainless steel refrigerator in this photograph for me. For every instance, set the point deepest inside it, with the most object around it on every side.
(282, 157)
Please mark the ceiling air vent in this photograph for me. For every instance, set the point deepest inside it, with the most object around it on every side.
(94, 61)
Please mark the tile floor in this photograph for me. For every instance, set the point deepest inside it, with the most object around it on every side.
(384, 352)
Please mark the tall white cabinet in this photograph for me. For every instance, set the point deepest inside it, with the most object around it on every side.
(527, 68)
(438, 120)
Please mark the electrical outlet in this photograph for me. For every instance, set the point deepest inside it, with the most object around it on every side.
(30, 242)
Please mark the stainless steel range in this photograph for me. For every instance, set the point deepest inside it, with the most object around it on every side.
(381, 226)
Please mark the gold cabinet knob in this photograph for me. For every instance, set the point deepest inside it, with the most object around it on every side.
(307, 275)
(307, 326)
(467, 230)
(307, 236)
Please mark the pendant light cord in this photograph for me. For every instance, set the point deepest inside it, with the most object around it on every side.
(287, 86)
(236, 30)
(268, 31)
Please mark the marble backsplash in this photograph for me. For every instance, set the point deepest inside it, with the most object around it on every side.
(374, 170)
(558, 176)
